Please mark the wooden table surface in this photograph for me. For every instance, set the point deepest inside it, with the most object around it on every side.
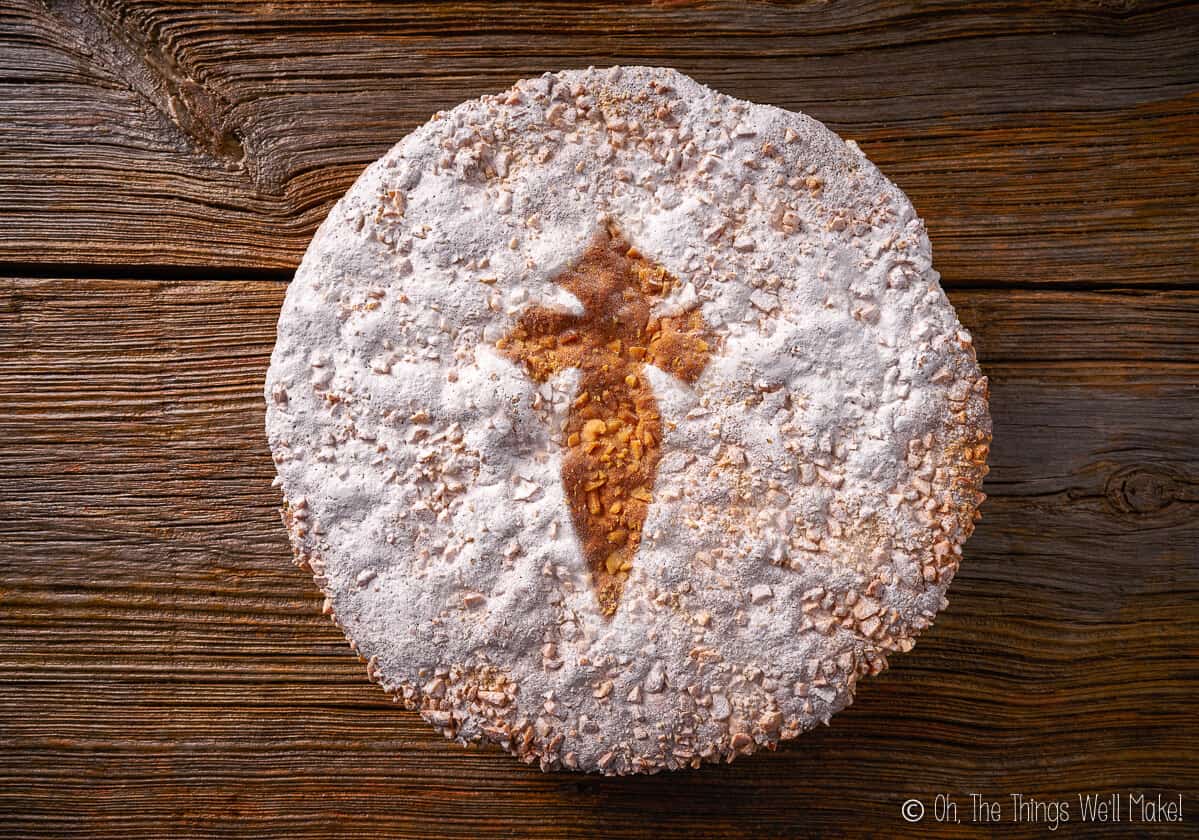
(165, 670)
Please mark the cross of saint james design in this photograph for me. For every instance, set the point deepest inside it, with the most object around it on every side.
(613, 428)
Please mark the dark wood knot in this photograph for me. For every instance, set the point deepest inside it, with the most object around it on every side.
(1144, 490)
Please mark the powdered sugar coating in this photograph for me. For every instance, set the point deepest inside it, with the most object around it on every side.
(815, 484)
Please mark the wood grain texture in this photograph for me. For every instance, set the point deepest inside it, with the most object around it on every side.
(1047, 143)
(164, 669)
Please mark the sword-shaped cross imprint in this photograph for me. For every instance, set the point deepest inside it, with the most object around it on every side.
(613, 428)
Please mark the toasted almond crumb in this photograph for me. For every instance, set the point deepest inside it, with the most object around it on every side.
(593, 429)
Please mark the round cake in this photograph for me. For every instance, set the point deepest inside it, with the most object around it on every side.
(624, 424)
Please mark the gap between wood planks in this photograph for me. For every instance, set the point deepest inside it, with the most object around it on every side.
(222, 274)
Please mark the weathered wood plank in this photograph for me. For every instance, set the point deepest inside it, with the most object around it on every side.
(164, 670)
(1052, 143)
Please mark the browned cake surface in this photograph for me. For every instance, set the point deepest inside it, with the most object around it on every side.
(614, 429)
